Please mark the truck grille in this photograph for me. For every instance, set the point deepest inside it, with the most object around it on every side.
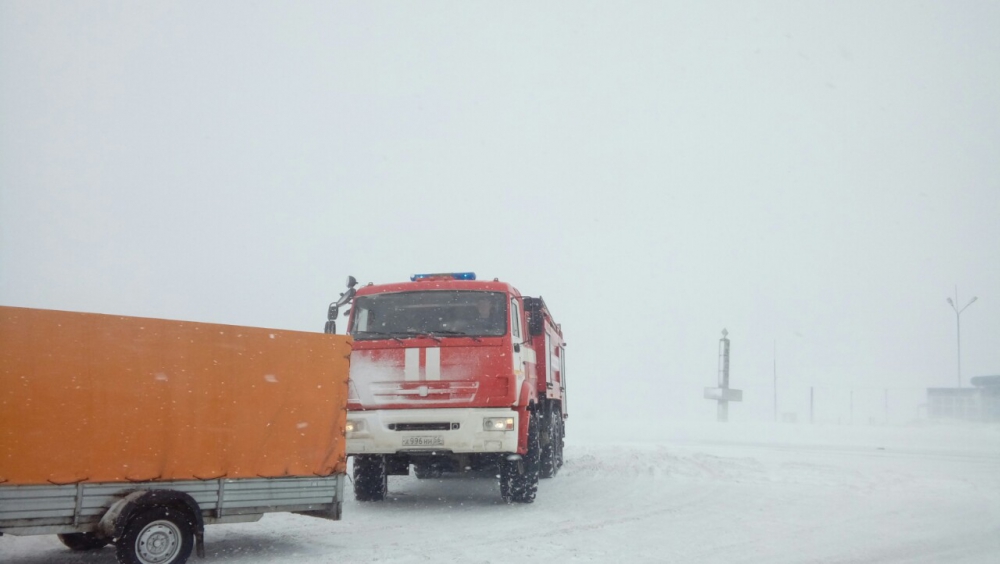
(422, 426)
(423, 392)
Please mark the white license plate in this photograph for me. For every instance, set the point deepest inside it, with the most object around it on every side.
(423, 441)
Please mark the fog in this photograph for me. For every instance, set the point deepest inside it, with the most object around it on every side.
(815, 178)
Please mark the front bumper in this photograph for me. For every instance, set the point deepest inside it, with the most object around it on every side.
(391, 431)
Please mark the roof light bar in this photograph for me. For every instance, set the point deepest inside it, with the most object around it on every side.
(444, 276)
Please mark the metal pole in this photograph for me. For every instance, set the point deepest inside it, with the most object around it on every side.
(887, 406)
(958, 327)
(958, 332)
(775, 380)
(812, 409)
(722, 413)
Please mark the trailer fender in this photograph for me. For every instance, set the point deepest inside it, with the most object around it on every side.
(113, 522)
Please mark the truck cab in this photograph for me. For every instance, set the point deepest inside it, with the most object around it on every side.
(449, 374)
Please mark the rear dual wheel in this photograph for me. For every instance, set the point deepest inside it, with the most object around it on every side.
(552, 451)
(426, 472)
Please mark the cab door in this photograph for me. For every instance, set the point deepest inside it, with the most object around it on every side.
(523, 355)
(519, 351)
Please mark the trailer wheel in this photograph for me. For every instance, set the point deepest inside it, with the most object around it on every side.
(371, 481)
(83, 541)
(156, 535)
(519, 478)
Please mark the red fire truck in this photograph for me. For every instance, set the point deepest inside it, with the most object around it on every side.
(453, 374)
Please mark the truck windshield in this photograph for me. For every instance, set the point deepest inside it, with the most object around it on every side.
(441, 313)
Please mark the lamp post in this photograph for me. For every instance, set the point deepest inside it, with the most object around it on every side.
(958, 325)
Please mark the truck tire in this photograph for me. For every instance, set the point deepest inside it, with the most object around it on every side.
(561, 445)
(519, 478)
(552, 449)
(83, 541)
(156, 535)
(371, 480)
(560, 441)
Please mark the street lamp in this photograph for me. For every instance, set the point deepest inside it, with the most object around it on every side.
(958, 324)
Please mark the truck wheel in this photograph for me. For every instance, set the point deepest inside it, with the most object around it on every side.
(371, 480)
(552, 451)
(83, 541)
(561, 443)
(156, 535)
(519, 478)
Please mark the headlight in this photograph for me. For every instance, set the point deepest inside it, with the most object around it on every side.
(354, 426)
(498, 424)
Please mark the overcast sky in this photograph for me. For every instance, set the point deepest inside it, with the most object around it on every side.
(816, 175)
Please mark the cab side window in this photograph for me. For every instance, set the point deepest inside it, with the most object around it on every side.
(515, 320)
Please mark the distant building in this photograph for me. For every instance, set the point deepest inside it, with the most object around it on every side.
(981, 402)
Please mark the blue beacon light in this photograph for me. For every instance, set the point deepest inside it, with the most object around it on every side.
(444, 275)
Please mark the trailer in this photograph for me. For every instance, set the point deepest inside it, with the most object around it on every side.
(139, 432)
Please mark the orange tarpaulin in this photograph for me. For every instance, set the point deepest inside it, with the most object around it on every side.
(102, 398)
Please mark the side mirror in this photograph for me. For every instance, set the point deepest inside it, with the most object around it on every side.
(345, 298)
(334, 310)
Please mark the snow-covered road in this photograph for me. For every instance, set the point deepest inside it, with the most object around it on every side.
(705, 493)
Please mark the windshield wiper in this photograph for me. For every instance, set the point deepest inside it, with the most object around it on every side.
(448, 333)
(411, 334)
(395, 335)
(360, 334)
